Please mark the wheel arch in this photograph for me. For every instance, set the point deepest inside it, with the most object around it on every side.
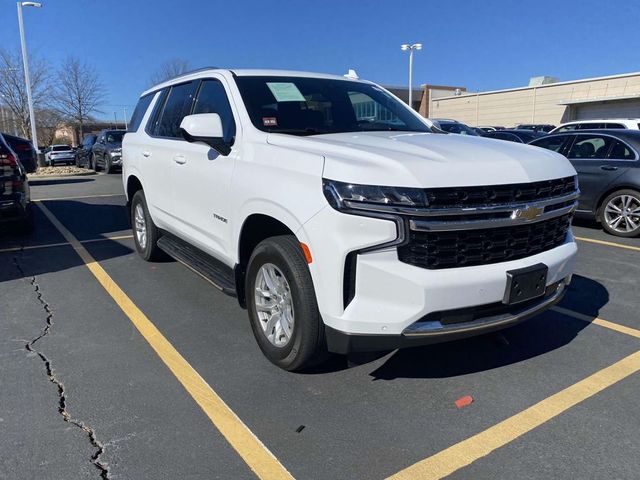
(255, 228)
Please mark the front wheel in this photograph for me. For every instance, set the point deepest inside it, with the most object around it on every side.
(282, 305)
(620, 213)
(145, 233)
(108, 168)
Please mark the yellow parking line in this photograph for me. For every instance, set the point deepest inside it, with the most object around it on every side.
(608, 244)
(62, 244)
(263, 463)
(599, 321)
(468, 451)
(77, 198)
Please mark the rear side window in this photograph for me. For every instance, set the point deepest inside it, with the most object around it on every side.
(567, 128)
(138, 113)
(620, 151)
(614, 125)
(551, 143)
(590, 146)
(212, 98)
(177, 106)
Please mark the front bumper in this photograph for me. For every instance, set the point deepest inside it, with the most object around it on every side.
(482, 319)
(390, 297)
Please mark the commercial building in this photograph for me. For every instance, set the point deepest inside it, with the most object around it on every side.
(543, 101)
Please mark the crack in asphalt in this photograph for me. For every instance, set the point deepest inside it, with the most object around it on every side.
(62, 396)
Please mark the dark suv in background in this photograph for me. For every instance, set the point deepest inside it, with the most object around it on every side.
(107, 150)
(25, 151)
(84, 151)
(608, 166)
(15, 200)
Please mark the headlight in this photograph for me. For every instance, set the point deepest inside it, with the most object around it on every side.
(115, 152)
(345, 196)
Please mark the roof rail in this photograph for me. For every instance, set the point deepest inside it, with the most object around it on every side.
(184, 74)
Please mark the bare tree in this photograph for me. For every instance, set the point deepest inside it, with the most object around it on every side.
(78, 92)
(169, 69)
(48, 120)
(13, 92)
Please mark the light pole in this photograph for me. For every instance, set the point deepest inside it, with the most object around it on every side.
(411, 48)
(27, 79)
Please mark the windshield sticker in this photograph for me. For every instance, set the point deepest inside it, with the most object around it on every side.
(270, 121)
(285, 92)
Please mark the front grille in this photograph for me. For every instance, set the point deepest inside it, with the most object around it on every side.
(450, 249)
(499, 194)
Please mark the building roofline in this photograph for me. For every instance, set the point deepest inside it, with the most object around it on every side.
(568, 82)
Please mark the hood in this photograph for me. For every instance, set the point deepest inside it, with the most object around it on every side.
(427, 159)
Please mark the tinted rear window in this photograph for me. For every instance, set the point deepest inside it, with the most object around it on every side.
(138, 113)
(61, 148)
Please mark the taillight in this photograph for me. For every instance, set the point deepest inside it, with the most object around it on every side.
(8, 160)
(23, 147)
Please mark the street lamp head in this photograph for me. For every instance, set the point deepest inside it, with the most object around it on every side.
(417, 46)
(404, 46)
(31, 4)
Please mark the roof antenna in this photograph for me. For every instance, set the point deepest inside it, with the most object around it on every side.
(352, 74)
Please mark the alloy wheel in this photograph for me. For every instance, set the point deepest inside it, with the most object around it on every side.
(622, 213)
(274, 305)
(140, 225)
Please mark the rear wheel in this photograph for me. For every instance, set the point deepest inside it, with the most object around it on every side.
(145, 233)
(620, 213)
(282, 305)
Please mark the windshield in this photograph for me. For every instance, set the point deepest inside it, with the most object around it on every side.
(115, 137)
(60, 148)
(310, 106)
(454, 127)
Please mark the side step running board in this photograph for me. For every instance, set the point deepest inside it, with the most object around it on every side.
(220, 275)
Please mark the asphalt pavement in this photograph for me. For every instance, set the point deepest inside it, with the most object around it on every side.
(92, 397)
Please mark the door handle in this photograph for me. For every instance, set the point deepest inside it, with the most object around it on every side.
(180, 159)
(146, 153)
(608, 167)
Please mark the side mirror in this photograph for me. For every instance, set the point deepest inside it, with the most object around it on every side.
(205, 128)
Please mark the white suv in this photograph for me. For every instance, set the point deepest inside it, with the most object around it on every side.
(622, 123)
(336, 215)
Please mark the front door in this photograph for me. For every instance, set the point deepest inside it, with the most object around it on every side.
(202, 177)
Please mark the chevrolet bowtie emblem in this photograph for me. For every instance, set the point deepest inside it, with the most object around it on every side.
(528, 213)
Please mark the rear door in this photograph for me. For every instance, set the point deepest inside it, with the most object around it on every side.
(202, 177)
(589, 154)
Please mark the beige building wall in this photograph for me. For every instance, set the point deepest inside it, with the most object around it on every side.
(551, 103)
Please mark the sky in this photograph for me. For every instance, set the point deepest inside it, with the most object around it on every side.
(481, 45)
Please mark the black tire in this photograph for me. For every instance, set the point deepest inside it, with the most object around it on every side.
(108, 168)
(94, 163)
(306, 346)
(150, 251)
(636, 219)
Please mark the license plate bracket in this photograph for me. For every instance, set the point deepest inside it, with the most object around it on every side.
(525, 284)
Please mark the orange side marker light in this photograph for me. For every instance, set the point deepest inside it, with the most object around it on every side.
(307, 252)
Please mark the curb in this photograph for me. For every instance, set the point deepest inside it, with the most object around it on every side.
(35, 178)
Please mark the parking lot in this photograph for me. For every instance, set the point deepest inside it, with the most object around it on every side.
(117, 368)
